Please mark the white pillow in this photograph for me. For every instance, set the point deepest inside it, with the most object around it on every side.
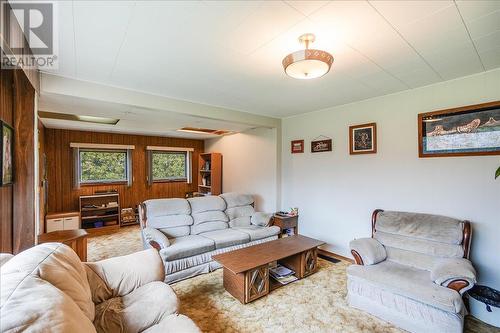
(261, 219)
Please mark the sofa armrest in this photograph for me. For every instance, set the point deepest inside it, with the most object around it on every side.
(120, 276)
(155, 238)
(367, 251)
(454, 273)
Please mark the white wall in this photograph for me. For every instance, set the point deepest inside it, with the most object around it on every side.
(337, 192)
(250, 165)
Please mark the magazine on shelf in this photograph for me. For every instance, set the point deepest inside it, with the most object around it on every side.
(282, 274)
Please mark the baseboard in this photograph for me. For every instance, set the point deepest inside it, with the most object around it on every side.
(335, 256)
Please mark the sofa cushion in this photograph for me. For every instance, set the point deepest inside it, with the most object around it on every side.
(226, 237)
(169, 221)
(172, 216)
(30, 304)
(424, 226)
(209, 221)
(419, 245)
(187, 246)
(144, 307)
(206, 204)
(164, 207)
(60, 266)
(176, 231)
(257, 233)
(233, 199)
(409, 282)
(174, 323)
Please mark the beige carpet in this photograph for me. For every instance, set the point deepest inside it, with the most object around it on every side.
(315, 304)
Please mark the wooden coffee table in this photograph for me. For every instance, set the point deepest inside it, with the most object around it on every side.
(246, 271)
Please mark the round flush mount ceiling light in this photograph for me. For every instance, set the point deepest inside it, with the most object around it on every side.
(307, 63)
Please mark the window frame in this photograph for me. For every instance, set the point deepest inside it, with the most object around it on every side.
(128, 166)
(187, 167)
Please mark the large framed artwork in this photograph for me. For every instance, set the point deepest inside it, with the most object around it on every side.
(363, 139)
(7, 158)
(464, 131)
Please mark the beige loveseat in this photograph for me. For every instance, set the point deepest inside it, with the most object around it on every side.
(189, 232)
(48, 289)
(413, 271)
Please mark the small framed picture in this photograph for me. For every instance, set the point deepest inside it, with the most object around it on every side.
(297, 146)
(363, 139)
(7, 157)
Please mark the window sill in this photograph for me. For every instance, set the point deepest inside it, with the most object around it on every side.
(104, 183)
(170, 181)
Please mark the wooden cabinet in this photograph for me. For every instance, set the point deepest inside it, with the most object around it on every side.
(62, 221)
(210, 178)
(76, 239)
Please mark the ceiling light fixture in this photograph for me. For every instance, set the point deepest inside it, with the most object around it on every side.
(74, 117)
(307, 63)
(203, 131)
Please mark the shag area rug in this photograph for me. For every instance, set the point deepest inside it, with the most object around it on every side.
(314, 304)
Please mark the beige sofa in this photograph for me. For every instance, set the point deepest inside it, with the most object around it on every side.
(189, 232)
(413, 271)
(48, 289)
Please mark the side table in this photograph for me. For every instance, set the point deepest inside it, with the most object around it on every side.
(286, 222)
(76, 239)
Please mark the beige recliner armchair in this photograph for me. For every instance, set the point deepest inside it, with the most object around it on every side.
(413, 271)
(48, 289)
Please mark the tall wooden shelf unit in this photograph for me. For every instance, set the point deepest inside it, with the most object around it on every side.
(98, 217)
(210, 177)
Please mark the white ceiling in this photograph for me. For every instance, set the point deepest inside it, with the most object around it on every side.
(228, 53)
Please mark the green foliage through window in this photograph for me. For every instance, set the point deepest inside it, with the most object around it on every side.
(103, 166)
(168, 165)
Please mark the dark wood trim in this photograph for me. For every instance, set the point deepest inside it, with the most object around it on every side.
(476, 107)
(334, 255)
(357, 257)
(467, 238)
(351, 146)
(184, 180)
(155, 245)
(458, 284)
(374, 219)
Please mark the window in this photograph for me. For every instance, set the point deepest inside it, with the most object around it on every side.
(102, 166)
(168, 164)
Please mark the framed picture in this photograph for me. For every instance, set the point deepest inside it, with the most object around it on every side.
(297, 146)
(7, 158)
(319, 146)
(363, 139)
(464, 131)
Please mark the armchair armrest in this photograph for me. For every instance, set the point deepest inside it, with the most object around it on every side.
(120, 276)
(454, 273)
(155, 238)
(367, 251)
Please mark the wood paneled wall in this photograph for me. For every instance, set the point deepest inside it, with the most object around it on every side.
(24, 158)
(63, 197)
(17, 202)
(7, 115)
